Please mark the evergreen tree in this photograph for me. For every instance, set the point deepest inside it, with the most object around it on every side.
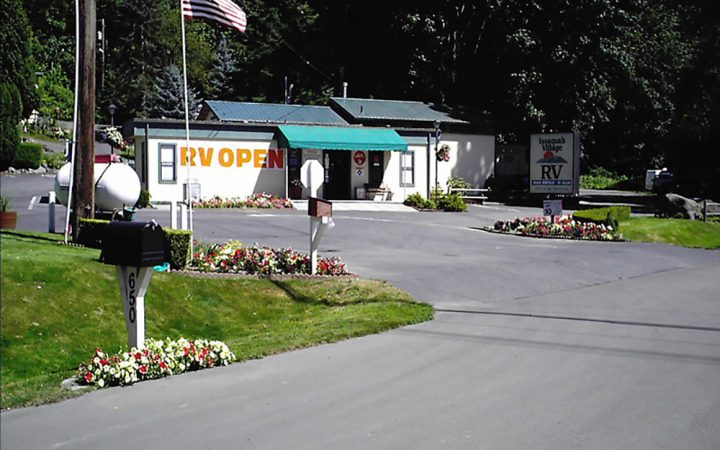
(18, 66)
(223, 71)
(10, 110)
(168, 97)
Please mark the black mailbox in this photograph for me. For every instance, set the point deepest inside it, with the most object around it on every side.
(134, 244)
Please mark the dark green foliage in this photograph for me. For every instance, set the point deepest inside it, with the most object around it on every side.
(17, 65)
(611, 221)
(604, 215)
(457, 182)
(10, 108)
(600, 178)
(54, 160)
(92, 232)
(178, 248)
(452, 203)
(30, 155)
(420, 202)
(144, 199)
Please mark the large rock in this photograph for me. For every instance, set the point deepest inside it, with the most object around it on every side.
(673, 205)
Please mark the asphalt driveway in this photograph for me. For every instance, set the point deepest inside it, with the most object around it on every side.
(536, 344)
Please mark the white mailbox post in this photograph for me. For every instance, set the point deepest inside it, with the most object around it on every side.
(134, 248)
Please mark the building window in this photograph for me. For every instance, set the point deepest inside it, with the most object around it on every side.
(168, 171)
(407, 169)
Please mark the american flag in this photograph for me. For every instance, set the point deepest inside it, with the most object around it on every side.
(222, 11)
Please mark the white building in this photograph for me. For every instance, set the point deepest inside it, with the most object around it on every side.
(237, 149)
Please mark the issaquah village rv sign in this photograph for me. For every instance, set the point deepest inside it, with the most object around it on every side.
(554, 163)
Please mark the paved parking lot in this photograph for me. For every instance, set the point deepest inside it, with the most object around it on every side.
(536, 344)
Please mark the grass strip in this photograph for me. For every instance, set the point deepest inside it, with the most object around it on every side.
(685, 233)
(59, 303)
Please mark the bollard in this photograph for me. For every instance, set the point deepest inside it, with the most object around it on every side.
(173, 215)
(51, 212)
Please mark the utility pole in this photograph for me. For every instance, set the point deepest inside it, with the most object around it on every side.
(84, 193)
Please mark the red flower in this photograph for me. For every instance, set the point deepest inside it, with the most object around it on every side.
(104, 362)
(162, 364)
(143, 369)
(138, 355)
(88, 377)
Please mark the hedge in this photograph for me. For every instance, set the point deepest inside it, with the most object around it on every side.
(91, 232)
(178, 247)
(603, 215)
(29, 155)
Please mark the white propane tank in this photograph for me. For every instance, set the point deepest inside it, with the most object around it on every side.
(118, 185)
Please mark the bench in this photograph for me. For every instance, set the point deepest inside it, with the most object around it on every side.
(470, 193)
(710, 209)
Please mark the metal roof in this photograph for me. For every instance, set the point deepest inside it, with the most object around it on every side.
(269, 113)
(229, 135)
(372, 109)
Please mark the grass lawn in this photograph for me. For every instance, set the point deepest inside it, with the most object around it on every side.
(686, 233)
(59, 303)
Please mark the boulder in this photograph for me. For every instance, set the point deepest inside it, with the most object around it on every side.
(673, 205)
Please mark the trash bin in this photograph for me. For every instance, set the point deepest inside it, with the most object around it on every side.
(360, 193)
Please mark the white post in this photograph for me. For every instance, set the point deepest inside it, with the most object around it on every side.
(134, 282)
(187, 130)
(183, 216)
(51, 211)
(173, 215)
(314, 226)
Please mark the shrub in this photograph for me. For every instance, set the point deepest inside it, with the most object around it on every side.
(91, 232)
(178, 248)
(600, 215)
(420, 202)
(600, 178)
(54, 160)
(457, 182)
(144, 199)
(452, 203)
(30, 155)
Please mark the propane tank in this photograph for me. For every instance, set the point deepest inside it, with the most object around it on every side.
(116, 185)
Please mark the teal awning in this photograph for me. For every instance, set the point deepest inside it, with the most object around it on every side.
(339, 138)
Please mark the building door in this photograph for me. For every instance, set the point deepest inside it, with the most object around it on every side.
(337, 174)
(377, 169)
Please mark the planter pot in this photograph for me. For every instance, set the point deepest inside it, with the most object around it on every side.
(8, 220)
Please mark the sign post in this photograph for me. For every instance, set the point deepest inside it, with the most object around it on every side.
(320, 212)
(312, 176)
(552, 208)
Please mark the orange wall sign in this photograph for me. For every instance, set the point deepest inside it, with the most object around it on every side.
(227, 157)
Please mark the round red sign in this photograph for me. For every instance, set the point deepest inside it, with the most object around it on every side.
(359, 158)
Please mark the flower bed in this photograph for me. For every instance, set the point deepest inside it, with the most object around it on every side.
(158, 359)
(562, 227)
(232, 257)
(261, 200)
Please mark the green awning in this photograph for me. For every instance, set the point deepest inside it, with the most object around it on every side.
(339, 138)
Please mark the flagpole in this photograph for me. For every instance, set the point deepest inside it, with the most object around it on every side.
(187, 126)
(73, 143)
